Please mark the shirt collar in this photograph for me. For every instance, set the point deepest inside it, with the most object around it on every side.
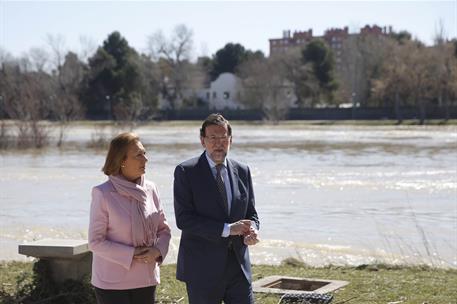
(211, 163)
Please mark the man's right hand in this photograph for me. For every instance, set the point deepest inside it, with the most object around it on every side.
(240, 228)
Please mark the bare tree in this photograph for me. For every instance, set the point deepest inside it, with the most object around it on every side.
(266, 87)
(362, 58)
(415, 75)
(443, 87)
(127, 112)
(421, 67)
(24, 63)
(392, 84)
(56, 44)
(68, 72)
(195, 78)
(87, 49)
(305, 85)
(177, 49)
(5, 56)
(440, 34)
(38, 58)
(445, 70)
(174, 62)
(64, 101)
(24, 95)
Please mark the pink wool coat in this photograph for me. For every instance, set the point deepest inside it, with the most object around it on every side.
(110, 240)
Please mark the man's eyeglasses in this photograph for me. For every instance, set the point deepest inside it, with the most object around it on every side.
(213, 139)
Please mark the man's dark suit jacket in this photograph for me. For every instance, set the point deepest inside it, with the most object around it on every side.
(201, 215)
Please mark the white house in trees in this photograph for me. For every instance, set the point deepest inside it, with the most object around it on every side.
(226, 92)
(223, 93)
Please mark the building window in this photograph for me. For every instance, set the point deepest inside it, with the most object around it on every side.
(214, 95)
(226, 95)
(208, 95)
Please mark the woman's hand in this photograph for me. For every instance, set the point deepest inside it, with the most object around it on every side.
(146, 255)
(140, 250)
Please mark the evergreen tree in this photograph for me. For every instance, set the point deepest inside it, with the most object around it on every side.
(455, 48)
(401, 37)
(229, 58)
(114, 84)
(320, 57)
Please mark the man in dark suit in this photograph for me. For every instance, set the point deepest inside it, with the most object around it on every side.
(214, 208)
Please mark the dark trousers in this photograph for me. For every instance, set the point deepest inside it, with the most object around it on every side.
(234, 289)
(145, 295)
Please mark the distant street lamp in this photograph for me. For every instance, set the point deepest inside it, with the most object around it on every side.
(109, 102)
(1, 104)
(353, 105)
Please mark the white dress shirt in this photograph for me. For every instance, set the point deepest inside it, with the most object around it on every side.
(228, 189)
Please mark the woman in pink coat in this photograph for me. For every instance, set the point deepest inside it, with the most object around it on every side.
(128, 232)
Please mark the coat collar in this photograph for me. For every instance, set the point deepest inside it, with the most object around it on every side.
(233, 176)
(211, 163)
(205, 170)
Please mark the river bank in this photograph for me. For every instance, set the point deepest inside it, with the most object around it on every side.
(273, 252)
(368, 284)
(348, 194)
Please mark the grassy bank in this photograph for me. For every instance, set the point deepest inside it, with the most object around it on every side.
(368, 284)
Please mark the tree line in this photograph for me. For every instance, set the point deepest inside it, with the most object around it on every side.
(115, 81)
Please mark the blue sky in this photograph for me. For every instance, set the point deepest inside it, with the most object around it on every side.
(25, 24)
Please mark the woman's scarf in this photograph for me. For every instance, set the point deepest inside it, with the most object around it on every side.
(140, 210)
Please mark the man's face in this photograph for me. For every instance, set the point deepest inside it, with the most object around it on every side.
(217, 142)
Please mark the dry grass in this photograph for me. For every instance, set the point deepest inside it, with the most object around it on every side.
(369, 284)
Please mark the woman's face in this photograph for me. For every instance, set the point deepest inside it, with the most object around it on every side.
(134, 164)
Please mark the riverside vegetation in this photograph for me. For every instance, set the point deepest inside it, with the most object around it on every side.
(29, 282)
(43, 134)
(113, 80)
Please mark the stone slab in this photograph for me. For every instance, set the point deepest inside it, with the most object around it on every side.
(55, 248)
(272, 284)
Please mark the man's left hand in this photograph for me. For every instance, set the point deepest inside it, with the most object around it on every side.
(251, 238)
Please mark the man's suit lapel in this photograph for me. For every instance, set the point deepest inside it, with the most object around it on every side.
(233, 174)
(211, 181)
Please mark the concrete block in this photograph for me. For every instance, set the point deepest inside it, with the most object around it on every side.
(67, 259)
(54, 248)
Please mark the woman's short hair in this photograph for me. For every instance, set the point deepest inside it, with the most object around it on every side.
(118, 152)
(215, 119)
